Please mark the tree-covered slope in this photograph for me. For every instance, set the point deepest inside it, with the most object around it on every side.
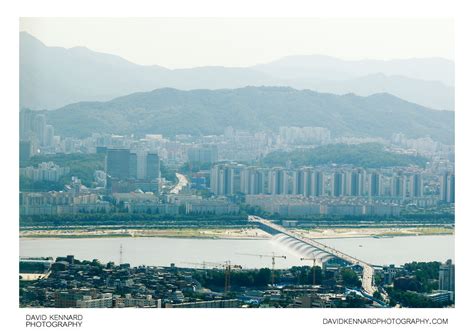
(171, 111)
(363, 155)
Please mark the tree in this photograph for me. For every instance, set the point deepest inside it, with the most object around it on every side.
(263, 277)
(350, 278)
(377, 295)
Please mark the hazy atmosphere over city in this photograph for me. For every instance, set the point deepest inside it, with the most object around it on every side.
(236, 163)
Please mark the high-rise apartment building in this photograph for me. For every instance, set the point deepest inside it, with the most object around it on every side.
(416, 185)
(398, 186)
(301, 181)
(446, 188)
(375, 184)
(48, 139)
(226, 179)
(33, 128)
(337, 184)
(317, 183)
(446, 276)
(354, 183)
(278, 181)
(253, 181)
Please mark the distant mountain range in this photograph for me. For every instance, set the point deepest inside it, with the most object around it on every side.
(52, 77)
(171, 111)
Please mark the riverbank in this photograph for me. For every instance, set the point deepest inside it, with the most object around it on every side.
(250, 233)
(241, 233)
(382, 232)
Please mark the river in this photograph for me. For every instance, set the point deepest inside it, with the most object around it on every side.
(163, 251)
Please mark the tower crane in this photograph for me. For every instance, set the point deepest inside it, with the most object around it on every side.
(227, 266)
(314, 266)
(273, 256)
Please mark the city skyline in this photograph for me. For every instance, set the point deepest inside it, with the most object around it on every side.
(171, 186)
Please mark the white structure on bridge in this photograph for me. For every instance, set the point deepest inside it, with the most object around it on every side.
(324, 251)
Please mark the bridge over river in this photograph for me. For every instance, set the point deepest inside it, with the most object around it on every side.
(368, 269)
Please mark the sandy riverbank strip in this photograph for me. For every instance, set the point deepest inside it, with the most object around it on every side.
(373, 232)
(251, 233)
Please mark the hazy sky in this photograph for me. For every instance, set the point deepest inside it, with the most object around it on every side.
(190, 42)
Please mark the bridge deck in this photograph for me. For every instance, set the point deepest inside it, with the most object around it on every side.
(368, 270)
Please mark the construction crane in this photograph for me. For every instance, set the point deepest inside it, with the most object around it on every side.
(227, 266)
(314, 266)
(273, 256)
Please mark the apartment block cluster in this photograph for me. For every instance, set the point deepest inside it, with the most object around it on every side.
(174, 204)
(75, 198)
(45, 171)
(344, 191)
(35, 134)
(201, 155)
(298, 206)
(304, 135)
(134, 179)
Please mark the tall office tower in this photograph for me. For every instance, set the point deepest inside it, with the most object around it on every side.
(278, 181)
(117, 163)
(152, 166)
(317, 183)
(416, 185)
(446, 276)
(337, 184)
(141, 165)
(354, 183)
(375, 184)
(133, 166)
(446, 188)
(398, 186)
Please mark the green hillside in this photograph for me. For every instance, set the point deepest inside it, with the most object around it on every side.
(363, 155)
(170, 111)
